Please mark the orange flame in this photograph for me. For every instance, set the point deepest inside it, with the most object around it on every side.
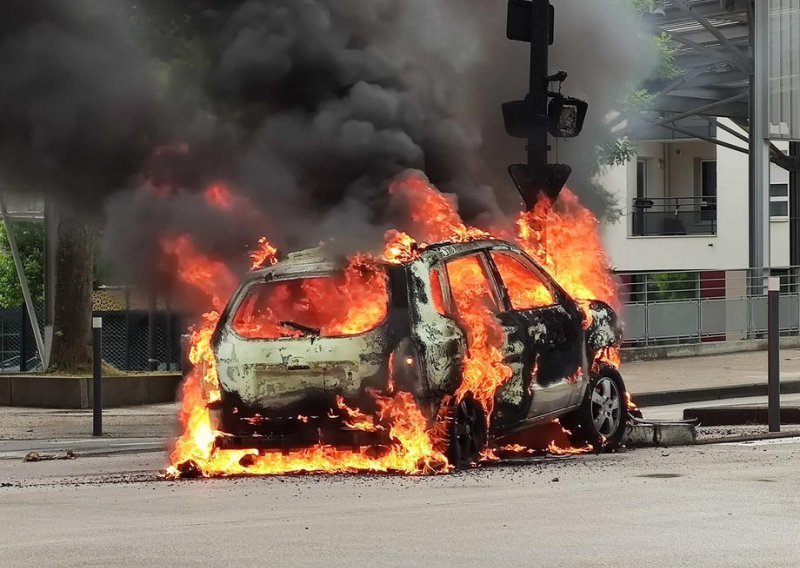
(264, 255)
(563, 238)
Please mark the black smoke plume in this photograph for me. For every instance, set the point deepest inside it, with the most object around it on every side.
(305, 108)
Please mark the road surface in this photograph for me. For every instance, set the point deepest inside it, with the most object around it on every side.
(719, 505)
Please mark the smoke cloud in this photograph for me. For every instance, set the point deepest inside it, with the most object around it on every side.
(78, 107)
(310, 108)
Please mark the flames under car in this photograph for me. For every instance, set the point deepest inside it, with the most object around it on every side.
(305, 342)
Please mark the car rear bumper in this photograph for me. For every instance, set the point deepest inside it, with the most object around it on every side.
(294, 434)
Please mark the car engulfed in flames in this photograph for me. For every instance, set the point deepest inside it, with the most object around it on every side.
(414, 361)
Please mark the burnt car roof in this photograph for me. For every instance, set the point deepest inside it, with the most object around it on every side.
(319, 261)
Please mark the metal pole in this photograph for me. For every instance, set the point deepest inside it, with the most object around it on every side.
(774, 334)
(168, 332)
(23, 340)
(50, 257)
(23, 284)
(97, 377)
(152, 348)
(760, 146)
(537, 97)
(794, 207)
(128, 366)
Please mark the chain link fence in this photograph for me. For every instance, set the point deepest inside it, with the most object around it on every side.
(125, 340)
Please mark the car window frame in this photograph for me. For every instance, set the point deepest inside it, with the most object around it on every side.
(488, 270)
(555, 292)
(230, 311)
(439, 270)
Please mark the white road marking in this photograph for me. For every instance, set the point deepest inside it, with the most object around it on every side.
(768, 442)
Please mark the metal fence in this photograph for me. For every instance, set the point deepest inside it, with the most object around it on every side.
(125, 340)
(692, 307)
(660, 216)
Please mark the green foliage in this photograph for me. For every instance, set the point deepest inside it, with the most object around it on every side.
(638, 99)
(172, 34)
(617, 152)
(672, 286)
(667, 67)
(640, 7)
(30, 241)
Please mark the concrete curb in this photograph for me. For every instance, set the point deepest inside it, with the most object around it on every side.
(660, 352)
(664, 398)
(739, 415)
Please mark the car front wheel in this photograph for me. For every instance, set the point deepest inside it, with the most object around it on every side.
(602, 416)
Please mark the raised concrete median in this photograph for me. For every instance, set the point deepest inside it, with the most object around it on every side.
(62, 391)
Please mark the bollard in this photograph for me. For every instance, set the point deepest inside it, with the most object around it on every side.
(152, 349)
(97, 376)
(773, 360)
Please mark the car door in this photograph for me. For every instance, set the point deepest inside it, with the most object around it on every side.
(471, 285)
(553, 353)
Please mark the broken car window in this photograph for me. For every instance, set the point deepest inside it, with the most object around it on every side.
(339, 305)
(470, 285)
(526, 290)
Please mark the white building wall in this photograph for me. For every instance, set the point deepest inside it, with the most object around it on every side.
(673, 170)
(779, 233)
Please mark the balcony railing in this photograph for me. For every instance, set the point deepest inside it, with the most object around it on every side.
(668, 216)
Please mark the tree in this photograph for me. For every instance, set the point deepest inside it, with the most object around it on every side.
(72, 332)
(622, 150)
(30, 242)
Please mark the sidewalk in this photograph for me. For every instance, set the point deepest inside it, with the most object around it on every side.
(149, 421)
(652, 383)
(672, 381)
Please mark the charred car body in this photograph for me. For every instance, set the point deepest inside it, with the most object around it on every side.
(280, 389)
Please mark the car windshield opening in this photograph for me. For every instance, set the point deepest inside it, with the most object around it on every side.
(338, 305)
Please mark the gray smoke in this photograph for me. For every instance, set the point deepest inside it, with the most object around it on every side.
(603, 47)
(313, 106)
(77, 107)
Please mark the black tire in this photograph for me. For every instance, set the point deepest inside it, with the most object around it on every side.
(467, 433)
(602, 416)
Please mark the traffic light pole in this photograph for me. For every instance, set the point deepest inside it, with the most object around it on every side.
(537, 97)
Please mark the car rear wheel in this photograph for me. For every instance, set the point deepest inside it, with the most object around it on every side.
(467, 433)
(602, 416)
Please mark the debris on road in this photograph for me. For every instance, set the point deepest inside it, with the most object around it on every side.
(36, 456)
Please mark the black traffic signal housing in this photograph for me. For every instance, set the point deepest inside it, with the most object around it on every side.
(518, 24)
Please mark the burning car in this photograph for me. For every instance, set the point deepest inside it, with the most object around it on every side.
(307, 349)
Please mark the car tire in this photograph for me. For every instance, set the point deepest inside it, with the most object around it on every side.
(602, 416)
(467, 433)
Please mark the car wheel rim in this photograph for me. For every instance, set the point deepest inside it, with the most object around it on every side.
(606, 407)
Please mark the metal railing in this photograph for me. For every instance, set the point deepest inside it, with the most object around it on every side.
(670, 216)
(662, 308)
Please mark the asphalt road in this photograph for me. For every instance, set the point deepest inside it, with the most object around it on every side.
(721, 505)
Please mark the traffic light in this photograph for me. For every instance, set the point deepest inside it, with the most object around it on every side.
(518, 27)
(542, 111)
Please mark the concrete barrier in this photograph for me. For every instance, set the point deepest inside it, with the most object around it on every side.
(660, 435)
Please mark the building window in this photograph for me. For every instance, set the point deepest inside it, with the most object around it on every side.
(708, 190)
(708, 180)
(779, 201)
(641, 178)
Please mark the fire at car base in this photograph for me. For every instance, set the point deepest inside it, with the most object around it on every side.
(570, 251)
